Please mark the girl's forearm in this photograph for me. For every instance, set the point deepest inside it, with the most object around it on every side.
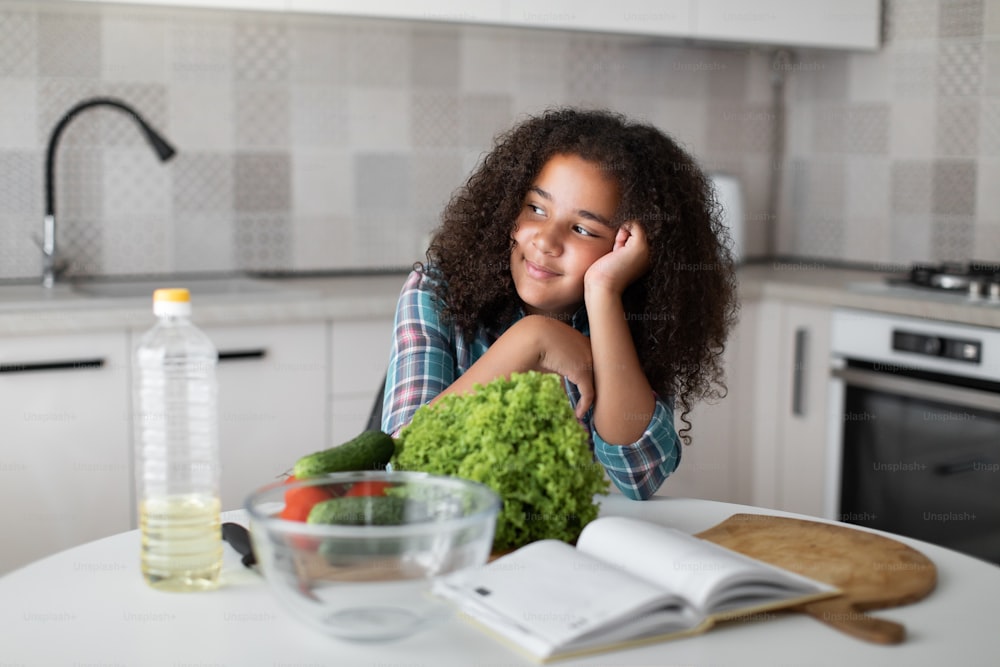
(625, 402)
(513, 352)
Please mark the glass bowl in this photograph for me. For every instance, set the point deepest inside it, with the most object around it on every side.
(367, 575)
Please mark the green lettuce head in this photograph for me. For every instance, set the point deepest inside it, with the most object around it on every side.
(521, 438)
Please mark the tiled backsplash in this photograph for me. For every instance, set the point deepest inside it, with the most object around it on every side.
(895, 156)
(321, 142)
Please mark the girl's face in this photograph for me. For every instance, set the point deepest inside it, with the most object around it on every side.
(563, 228)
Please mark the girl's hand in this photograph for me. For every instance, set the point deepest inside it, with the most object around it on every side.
(627, 261)
(563, 350)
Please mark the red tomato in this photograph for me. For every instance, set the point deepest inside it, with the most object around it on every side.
(368, 489)
(299, 501)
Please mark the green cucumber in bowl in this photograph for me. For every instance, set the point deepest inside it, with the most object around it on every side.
(360, 511)
(363, 511)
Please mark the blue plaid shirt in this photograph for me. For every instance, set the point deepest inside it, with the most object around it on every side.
(428, 355)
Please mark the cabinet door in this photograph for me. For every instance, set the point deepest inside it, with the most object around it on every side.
(272, 402)
(65, 462)
(359, 353)
(803, 409)
(838, 24)
(716, 464)
(790, 407)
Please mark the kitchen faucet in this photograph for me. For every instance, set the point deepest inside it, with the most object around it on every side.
(163, 149)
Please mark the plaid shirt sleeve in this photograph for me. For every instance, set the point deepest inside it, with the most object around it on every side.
(639, 469)
(421, 364)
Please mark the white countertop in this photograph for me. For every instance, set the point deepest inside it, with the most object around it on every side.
(89, 606)
(29, 310)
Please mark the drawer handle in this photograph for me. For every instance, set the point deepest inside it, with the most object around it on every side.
(63, 365)
(242, 355)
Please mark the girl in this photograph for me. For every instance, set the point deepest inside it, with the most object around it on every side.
(583, 245)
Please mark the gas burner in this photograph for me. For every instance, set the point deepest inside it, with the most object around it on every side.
(975, 279)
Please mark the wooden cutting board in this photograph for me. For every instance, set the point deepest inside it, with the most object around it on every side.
(873, 571)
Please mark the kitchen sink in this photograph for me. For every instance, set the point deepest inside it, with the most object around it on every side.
(125, 289)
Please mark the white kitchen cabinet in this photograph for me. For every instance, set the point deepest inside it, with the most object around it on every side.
(792, 360)
(716, 466)
(835, 24)
(272, 401)
(270, 5)
(359, 355)
(65, 460)
(830, 24)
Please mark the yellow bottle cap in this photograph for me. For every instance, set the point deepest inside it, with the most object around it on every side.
(175, 294)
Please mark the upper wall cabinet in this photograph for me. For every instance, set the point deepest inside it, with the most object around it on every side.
(829, 24)
(826, 24)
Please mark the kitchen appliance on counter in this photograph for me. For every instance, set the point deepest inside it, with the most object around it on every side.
(914, 432)
(729, 194)
(975, 283)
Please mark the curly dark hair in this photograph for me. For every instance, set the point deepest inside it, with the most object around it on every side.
(680, 311)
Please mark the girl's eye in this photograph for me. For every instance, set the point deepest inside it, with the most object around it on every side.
(537, 210)
(583, 231)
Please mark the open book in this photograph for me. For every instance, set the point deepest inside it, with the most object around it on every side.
(626, 581)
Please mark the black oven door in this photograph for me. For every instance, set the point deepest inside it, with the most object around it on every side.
(921, 458)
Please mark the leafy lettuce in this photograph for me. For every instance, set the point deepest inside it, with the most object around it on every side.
(521, 438)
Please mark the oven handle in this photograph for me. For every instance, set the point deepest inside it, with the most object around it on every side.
(931, 391)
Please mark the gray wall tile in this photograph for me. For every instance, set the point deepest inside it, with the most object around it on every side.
(261, 182)
(69, 45)
(911, 19)
(21, 185)
(960, 18)
(261, 51)
(203, 241)
(18, 44)
(910, 187)
(263, 241)
(320, 52)
(434, 57)
(262, 117)
(380, 55)
(953, 183)
(320, 116)
(436, 120)
(383, 184)
(482, 118)
(914, 70)
(957, 128)
(959, 70)
(910, 239)
(952, 238)
(200, 50)
(989, 127)
(203, 184)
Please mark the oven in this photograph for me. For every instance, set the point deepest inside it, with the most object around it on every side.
(914, 432)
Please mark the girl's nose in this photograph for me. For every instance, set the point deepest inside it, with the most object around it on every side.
(547, 239)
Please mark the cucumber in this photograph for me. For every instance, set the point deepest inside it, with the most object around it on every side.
(360, 511)
(369, 511)
(369, 451)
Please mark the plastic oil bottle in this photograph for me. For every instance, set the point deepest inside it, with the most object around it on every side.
(177, 451)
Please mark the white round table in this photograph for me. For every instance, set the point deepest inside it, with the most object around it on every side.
(89, 606)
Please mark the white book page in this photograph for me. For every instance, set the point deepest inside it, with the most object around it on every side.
(556, 593)
(704, 573)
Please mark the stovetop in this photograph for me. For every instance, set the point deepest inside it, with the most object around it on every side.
(975, 279)
(975, 283)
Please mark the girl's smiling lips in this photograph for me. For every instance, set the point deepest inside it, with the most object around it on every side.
(540, 272)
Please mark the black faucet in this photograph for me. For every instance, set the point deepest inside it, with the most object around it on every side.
(163, 149)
